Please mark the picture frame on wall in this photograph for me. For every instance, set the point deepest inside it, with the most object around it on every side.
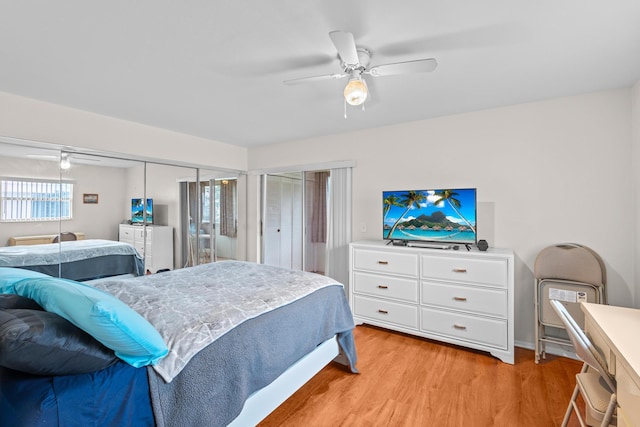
(90, 198)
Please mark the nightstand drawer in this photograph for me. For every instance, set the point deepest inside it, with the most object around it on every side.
(492, 302)
(386, 311)
(490, 272)
(490, 332)
(386, 262)
(386, 286)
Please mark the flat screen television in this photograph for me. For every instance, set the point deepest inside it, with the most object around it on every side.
(138, 208)
(446, 216)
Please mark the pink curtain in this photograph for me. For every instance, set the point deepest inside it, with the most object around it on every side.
(319, 208)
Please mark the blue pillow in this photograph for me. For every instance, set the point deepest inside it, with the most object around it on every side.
(9, 275)
(103, 316)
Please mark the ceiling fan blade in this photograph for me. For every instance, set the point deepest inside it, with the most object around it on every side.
(417, 66)
(346, 47)
(314, 79)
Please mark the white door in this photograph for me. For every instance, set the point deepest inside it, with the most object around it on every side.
(282, 236)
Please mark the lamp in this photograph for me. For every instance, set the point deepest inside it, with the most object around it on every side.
(355, 93)
(65, 163)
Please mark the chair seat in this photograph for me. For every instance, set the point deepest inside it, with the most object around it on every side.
(595, 390)
(596, 394)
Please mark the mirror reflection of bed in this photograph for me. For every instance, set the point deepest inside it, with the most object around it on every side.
(75, 259)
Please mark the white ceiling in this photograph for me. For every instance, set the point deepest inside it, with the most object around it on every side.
(214, 69)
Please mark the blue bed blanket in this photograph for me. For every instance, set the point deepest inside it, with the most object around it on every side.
(193, 307)
(211, 390)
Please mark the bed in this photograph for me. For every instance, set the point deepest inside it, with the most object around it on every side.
(240, 338)
(77, 260)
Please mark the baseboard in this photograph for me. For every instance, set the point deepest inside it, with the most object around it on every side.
(550, 348)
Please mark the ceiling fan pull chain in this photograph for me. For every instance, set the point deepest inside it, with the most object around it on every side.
(345, 108)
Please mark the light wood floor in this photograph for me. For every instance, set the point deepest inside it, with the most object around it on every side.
(409, 381)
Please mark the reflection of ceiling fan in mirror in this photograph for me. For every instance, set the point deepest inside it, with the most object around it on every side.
(355, 64)
(65, 159)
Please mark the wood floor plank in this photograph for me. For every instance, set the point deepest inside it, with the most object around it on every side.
(410, 381)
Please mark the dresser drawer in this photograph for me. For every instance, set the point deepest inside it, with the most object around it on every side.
(386, 286)
(490, 272)
(126, 233)
(386, 262)
(139, 233)
(490, 332)
(492, 302)
(386, 311)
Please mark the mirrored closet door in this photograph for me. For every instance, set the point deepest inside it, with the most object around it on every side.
(54, 201)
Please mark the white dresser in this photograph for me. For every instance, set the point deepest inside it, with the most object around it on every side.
(157, 249)
(456, 296)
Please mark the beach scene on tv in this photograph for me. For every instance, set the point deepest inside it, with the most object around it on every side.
(447, 216)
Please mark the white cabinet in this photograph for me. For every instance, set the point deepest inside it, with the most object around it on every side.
(460, 297)
(156, 249)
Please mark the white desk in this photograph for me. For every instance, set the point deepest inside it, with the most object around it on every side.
(616, 333)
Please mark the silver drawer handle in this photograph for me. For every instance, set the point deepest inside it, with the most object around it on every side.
(383, 311)
(459, 298)
(383, 262)
(383, 287)
(461, 327)
(459, 270)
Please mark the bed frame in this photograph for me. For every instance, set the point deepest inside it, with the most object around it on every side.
(264, 401)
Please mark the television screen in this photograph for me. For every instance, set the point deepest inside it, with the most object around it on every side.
(138, 211)
(445, 216)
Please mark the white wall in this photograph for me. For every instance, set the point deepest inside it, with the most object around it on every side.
(33, 120)
(546, 172)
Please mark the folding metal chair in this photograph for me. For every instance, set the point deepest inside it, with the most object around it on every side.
(571, 273)
(594, 382)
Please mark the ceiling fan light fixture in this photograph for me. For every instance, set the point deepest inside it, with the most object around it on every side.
(356, 91)
(65, 163)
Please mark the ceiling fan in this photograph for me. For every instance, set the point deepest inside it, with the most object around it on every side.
(355, 64)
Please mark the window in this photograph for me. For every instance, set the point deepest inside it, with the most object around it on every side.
(25, 200)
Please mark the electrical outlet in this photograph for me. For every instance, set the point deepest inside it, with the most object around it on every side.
(363, 228)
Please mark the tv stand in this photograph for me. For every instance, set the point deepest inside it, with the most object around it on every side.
(458, 297)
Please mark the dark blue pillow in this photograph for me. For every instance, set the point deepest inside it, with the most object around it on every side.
(17, 301)
(106, 318)
(43, 343)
